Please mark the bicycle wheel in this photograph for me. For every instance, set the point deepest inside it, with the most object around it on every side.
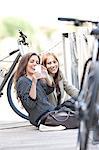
(15, 105)
(83, 136)
(89, 114)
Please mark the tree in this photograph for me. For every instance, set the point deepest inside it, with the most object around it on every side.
(11, 25)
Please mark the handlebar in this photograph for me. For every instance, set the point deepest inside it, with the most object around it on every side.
(11, 53)
(77, 22)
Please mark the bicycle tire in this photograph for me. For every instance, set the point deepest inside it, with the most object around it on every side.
(84, 130)
(11, 100)
(83, 135)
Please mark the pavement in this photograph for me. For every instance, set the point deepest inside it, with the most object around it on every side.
(24, 136)
(12, 125)
(17, 133)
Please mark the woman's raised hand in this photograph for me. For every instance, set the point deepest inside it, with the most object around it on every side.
(40, 72)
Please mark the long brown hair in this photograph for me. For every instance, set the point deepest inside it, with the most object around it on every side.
(57, 76)
(21, 69)
(45, 57)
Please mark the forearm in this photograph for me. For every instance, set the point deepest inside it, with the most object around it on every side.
(71, 90)
(49, 80)
(32, 92)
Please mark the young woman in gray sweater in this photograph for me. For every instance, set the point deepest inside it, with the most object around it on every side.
(33, 88)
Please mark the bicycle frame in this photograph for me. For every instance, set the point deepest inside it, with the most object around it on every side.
(21, 43)
(8, 74)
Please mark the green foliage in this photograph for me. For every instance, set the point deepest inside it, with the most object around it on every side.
(48, 31)
(11, 25)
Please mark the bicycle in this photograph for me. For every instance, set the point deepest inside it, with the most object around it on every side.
(8, 76)
(87, 103)
(88, 100)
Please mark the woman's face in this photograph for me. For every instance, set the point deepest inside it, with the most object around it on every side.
(33, 61)
(52, 65)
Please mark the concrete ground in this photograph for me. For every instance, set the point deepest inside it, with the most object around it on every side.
(18, 134)
(24, 136)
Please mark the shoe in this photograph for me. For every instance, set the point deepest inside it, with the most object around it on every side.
(51, 128)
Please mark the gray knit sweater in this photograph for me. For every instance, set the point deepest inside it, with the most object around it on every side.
(35, 107)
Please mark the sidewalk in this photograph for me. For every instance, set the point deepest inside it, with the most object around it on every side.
(18, 134)
(6, 112)
(24, 136)
(11, 124)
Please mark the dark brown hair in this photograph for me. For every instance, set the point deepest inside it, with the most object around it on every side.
(21, 69)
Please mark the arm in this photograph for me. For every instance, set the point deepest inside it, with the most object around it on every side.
(46, 76)
(32, 92)
(48, 89)
(49, 80)
(23, 88)
(70, 89)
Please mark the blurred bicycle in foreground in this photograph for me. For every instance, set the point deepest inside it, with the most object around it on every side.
(87, 103)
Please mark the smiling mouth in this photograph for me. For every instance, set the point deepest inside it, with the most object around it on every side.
(54, 69)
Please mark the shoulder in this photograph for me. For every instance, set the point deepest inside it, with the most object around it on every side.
(23, 81)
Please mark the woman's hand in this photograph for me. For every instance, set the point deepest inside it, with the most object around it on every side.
(46, 76)
(44, 72)
(40, 72)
